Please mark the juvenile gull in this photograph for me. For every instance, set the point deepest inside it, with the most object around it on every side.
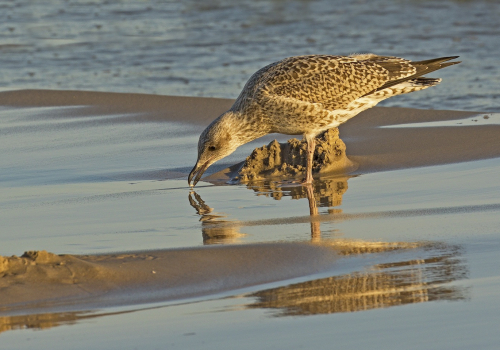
(308, 95)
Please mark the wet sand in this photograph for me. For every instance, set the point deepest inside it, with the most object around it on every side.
(42, 280)
(94, 190)
(39, 280)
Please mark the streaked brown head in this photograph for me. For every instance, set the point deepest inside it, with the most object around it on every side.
(216, 142)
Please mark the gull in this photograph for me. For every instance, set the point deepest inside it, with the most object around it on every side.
(306, 95)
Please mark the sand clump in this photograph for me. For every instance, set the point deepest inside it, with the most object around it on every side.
(42, 267)
(40, 277)
(289, 159)
(15, 265)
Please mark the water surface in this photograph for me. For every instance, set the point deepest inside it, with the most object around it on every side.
(210, 48)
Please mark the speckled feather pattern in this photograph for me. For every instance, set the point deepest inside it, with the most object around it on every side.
(308, 95)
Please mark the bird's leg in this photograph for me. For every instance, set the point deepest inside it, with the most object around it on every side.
(311, 145)
(313, 210)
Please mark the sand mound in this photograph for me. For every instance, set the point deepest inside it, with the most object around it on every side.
(289, 159)
(17, 266)
(40, 280)
(43, 267)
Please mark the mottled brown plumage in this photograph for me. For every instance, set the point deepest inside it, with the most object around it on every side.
(308, 95)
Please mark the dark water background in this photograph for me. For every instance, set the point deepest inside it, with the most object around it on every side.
(210, 48)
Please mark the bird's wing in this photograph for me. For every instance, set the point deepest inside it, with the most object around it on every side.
(333, 81)
(420, 68)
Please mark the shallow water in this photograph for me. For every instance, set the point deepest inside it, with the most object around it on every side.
(210, 48)
(418, 247)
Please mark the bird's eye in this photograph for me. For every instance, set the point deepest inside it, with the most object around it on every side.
(211, 148)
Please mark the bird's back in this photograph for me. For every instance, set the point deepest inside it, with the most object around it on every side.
(320, 91)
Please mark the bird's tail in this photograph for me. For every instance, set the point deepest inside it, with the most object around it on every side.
(423, 67)
(427, 82)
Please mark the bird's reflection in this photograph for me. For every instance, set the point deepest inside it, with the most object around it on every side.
(384, 285)
(213, 229)
(325, 192)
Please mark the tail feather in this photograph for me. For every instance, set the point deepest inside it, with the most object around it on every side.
(422, 68)
(435, 61)
(426, 81)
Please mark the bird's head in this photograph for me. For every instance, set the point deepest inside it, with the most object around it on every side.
(217, 141)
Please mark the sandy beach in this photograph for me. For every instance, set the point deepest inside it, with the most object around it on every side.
(100, 226)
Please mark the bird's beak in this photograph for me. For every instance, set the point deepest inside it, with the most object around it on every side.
(198, 170)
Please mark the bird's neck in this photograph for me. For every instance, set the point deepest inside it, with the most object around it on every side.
(244, 126)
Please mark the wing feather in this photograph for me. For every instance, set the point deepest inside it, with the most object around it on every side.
(333, 81)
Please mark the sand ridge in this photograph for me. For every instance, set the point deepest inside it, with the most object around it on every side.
(146, 107)
(39, 280)
(383, 285)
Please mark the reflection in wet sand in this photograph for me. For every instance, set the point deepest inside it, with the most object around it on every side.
(213, 229)
(49, 320)
(40, 321)
(328, 191)
(385, 285)
(313, 211)
(322, 193)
